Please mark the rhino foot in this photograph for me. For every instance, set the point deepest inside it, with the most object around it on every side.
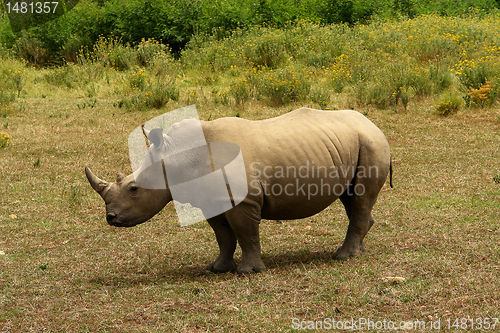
(345, 252)
(219, 266)
(251, 269)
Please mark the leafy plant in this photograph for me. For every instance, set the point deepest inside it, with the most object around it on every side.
(65, 76)
(240, 91)
(449, 104)
(5, 140)
(283, 85)
(320, 96)
(486, 94)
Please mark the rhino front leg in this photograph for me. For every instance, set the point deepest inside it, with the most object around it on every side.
(245, 224)
(227, 244)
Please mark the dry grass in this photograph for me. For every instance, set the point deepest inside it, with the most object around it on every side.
(62, 268)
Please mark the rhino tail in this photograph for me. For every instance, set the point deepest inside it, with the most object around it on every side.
(390, 172)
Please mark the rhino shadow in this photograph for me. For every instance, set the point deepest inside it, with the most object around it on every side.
(199, 273)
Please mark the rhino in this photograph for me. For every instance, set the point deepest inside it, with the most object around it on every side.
(296, 165)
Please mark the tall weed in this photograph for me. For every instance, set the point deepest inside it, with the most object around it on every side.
(283, 85)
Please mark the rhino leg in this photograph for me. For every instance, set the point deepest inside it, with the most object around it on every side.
(358, 200)
(227, 244)
(245, 223)
(359, 212)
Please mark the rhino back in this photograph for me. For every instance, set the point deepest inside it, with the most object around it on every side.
(291, 157)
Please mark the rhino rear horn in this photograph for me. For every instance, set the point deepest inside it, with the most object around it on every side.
(119, 178)
(97, 184)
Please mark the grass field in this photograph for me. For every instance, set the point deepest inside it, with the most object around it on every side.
(62, 268)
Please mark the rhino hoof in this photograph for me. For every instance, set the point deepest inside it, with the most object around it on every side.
(344, 253)
(251, 270)
(218, 267)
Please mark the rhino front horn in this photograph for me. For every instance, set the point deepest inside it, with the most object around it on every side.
(97, 184)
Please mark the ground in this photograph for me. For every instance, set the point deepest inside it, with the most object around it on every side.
(62, 268)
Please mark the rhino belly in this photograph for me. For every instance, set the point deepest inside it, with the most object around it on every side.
(299, 198)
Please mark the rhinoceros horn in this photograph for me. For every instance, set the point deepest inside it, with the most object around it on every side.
(97, 184)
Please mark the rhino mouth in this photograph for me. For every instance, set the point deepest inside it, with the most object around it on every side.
(115, 221)
(120, 224)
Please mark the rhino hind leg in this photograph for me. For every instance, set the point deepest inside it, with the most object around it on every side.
(359, 212)
(227, 245)
(360, 221)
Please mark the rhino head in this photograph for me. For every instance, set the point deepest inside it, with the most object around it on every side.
(126, 203)
(178, 165)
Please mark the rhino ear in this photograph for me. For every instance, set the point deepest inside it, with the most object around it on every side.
(119, 178)
(97, 184)
(156, 137)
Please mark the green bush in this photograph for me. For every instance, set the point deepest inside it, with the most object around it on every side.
(149, 49)
(267, 50)
(65, 76)
(449, 104)
(221, 96)
(283, 85)
(5, 140)
(240, 91)
(175, 22)
(377, 92)
(12, 80)
(163, 66)
(31, 49)
(152, 93)
(320, 96)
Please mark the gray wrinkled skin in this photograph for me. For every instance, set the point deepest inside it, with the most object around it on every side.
(345, 141)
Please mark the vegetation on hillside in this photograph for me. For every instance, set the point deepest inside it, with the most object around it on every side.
(175, 22)
(452, 60)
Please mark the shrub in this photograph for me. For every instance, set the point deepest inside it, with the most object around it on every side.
(19, 79)
(283, 85)
(5, 140)
(12, 81)
(6, 98)
(486, 94)
(123, 57)
(138, 80)
(221, 97)
(71, 48)
(377, 92)
(154, 93)
(267, 50)
(339, 73)
(65, 76)
(149, 49)
(31, 49)
(240, 91)
(476, 76)
(320, 96)
(449, 104)
(441, 78)
(163, 67)
(110, 52)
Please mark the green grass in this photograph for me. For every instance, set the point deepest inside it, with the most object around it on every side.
(62, 268)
